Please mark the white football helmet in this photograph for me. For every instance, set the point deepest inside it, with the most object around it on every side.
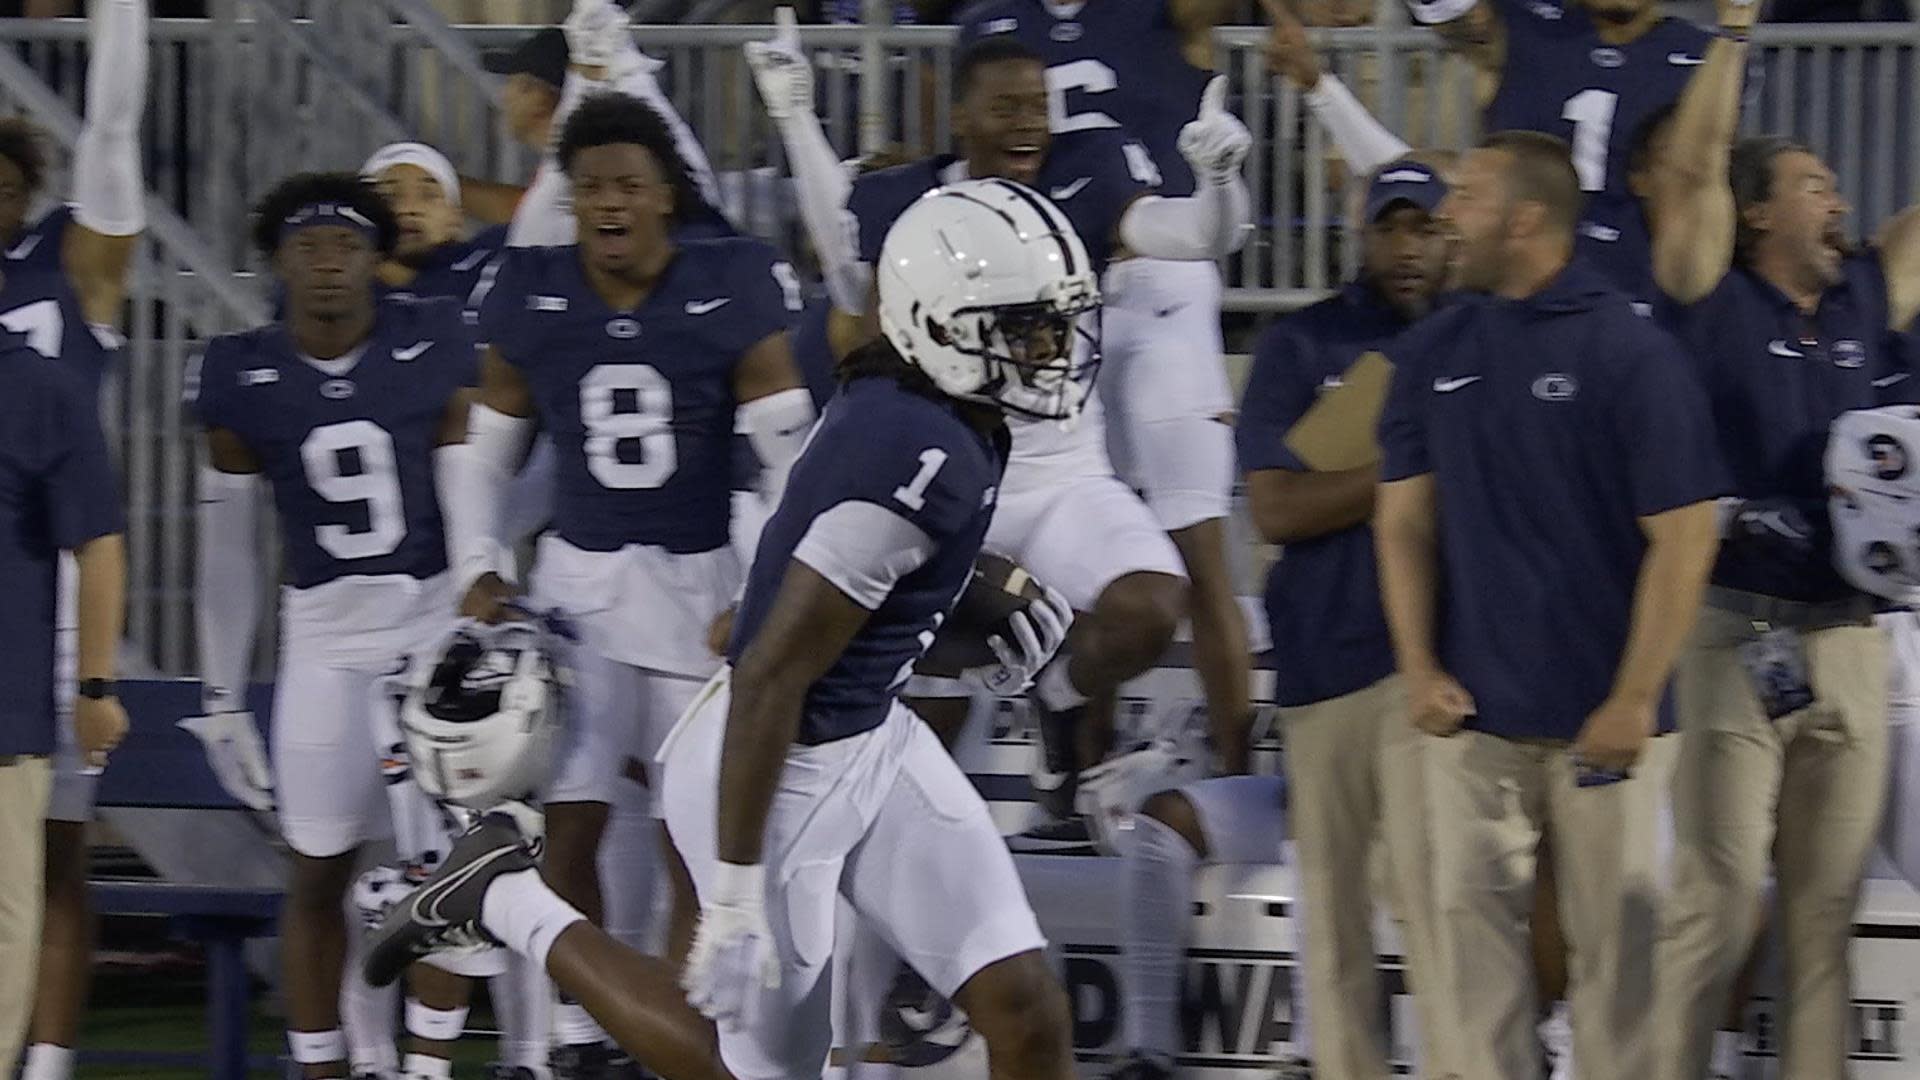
(1873, 480)
(982, 286)
(481, 714)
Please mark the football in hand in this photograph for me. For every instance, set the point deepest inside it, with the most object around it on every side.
(999, 588)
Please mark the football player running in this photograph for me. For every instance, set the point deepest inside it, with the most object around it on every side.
(798, 776)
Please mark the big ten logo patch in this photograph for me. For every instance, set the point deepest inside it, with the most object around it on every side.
(1237, 1007)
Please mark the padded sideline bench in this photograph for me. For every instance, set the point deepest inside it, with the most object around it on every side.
(161, 767)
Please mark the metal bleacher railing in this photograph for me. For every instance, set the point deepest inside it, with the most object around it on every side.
(265, 88)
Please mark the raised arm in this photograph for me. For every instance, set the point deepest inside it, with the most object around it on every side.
(1690, 208)
(1363, 142)
(109, 192)
(1218, 217)
(1196, 19)
(1474, 30)
(784, 76)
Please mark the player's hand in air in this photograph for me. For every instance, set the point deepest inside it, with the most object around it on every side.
(1438, 703)
(1286, 47)
(781, 69)
(592, 30)
(234, 752)
(732, 957)
(1737, 16)
(1215, 142)
(1038, 632)
(491, 600)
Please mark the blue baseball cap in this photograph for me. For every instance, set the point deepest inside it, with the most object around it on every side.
(1404, 180)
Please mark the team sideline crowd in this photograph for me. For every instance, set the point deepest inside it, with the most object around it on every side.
(634, 583)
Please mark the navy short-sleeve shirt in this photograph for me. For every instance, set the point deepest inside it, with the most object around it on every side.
(1550, 426)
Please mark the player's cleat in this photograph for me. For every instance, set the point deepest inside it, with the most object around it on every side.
(501, 1071)
(1056, 779)
(593, 1061)
(444, 912)
(1138, 1066)
(1068, 837)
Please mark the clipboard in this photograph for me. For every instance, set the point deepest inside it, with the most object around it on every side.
(1337, 433)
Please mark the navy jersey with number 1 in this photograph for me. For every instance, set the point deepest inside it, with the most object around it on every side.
(905, 455)
(38, 299)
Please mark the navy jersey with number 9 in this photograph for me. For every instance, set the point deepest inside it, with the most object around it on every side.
(349, 455)
(903, 454)
(639, 403)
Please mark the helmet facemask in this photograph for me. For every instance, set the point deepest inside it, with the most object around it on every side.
(1037, 359)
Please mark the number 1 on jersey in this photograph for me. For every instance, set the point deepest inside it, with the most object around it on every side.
(1592, 114)
(913, 494)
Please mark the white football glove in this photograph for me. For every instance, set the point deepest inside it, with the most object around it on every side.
(1113, 791)
(781, 69)
(732, 955)
(1038, 632)
(594, 30)
(236, 756)
(1215, 142)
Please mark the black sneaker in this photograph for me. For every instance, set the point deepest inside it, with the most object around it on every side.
(593, 1061)
(1056, 778)
(1138, 1066)
(1069, 837)
(444, 912)
(497, 1070)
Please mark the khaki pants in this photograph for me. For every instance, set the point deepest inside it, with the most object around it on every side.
(1805, 790)
(24, 783)
(1491, 800)
(1353, 774)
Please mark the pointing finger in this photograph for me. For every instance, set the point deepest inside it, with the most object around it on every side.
(1214, 100)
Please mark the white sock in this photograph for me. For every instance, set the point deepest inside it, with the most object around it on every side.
(1055, 688)
(369, 1015)
(1157, 912)
(423, 1067)
(574, 1027)
(526, 916)
(46, 1061)
(1556, 1034)
(523, 1002)
(1726, 1054)
(629, 860)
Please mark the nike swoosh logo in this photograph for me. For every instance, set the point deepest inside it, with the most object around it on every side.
(431, 915)
(1891, 379)
(1448, 386)
(1070, 190)
(412, 352)
(1332, 382)
(701, 307)
(25, 247)
(1781, 348)
(1680, 59)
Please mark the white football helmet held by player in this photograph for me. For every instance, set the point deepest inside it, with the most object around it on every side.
(1873, 480)
(982, 286)
(481, 715)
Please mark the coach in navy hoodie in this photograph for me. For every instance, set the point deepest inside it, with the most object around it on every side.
(1545, 526)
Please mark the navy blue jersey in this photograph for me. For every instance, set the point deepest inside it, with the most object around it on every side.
(37, 299)
(1092, 176)
(57, 491)
(1323, 594)
(1550, 425)
(1110, 64)
(911, 456)
(349, 456)
(1559, 78)
(639, 403)
(813, 355)
(452, 269)
(1777, 380)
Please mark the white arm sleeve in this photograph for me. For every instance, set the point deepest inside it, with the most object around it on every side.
(227, 604)
(1363, 141)
(636, 78)
(821, 188)
(545, 215)
(777, 426)
(471, 478)
(109, 193)
(863, 549)
(1214, 221)
(1435, 12)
